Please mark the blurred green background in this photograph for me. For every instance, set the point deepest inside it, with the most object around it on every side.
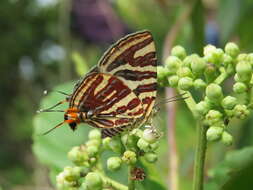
(45, 43)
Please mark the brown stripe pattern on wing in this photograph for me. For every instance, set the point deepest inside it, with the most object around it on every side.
(110, 102)
(133, 60)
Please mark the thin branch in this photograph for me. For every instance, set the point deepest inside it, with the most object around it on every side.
(173, 161)
(200, 155)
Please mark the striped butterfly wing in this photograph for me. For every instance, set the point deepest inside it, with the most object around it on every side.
(122, 88)
(133, 60)
(110, 102)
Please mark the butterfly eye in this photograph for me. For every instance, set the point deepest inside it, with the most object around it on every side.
(72, 126)
(90, 114)
(65, 117)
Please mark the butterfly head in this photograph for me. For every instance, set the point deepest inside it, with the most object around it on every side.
(72, 117)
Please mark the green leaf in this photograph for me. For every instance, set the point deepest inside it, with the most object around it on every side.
(235, 172)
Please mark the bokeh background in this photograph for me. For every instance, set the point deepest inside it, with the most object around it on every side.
(45, 43)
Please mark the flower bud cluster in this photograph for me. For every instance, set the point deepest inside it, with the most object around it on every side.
(207, 74)
(129, 148)
(69, 178)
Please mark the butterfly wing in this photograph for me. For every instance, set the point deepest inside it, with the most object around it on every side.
(122, 88)
(108, 100)
(133, 60)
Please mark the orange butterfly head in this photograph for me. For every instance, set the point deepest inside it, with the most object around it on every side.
(72, 117)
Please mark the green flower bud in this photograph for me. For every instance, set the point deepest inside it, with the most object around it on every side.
(162, 73)
(173, 63)
(208, 49)
(198, 65)
(150, 157)
(185, 83)
(239, 87)
(184, 72)
(93, 181)
(129, 140)
(241, 111)
(143, 145)
(226, 139)
(218, 56)
(214, 117)
(229, 102)
(214, 133)
(242, 57)
(187, 61)
(92, 150)
(179, 52)
(244, 71)
(232, 49)
(154, 146)
(213, 55)
(129, 157)
(150, 136)
(74, 173)
(78, 155)
(114, 163)
(95, 134)
(214, 92)
(69, 177)
(202, 107)
(227, 60)
(210, 73)
(137, 132)
(93, 142)
(106, 142)
(199, 84)
(173, 80)
(63, 183)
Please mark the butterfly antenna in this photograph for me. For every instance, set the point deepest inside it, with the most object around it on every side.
(172, 99)
(53, 128)
(58, 91)
(50, 109)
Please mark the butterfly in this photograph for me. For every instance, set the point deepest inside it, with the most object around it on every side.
(120, 92)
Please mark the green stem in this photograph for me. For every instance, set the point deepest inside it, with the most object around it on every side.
(221, 78)
(190, 102)
(113, 184)
(131, 182)
(200, 154)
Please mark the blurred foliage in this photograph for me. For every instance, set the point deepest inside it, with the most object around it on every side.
(234, 172)
(31, 61)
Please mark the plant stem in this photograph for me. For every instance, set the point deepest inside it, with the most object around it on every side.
(221, 78)
(131, 184)
(200, 154)
(114, 184)
(171, 133)
(190, 102)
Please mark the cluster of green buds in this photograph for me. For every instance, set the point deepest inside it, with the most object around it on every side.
(207, 74)
(129, 148)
